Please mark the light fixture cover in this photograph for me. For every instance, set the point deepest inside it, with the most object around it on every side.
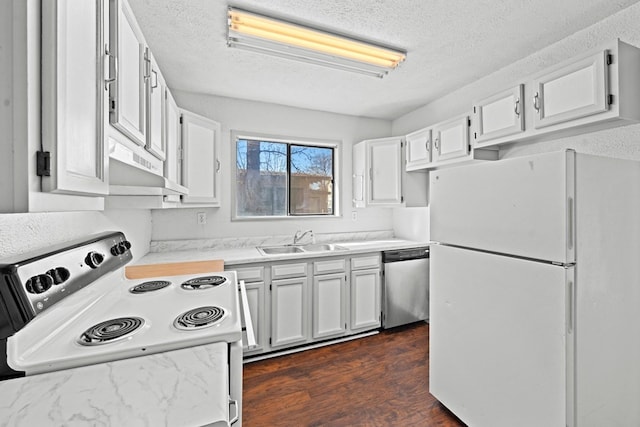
(260, 33)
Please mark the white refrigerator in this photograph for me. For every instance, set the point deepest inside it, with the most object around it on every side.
(535, 291)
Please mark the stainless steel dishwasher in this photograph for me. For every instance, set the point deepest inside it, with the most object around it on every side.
(405, 289)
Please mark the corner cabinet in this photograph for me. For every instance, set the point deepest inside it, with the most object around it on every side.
(74, 99)
(377, 172)
(200, 159)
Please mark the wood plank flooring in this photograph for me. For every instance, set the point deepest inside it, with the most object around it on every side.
(381, 380)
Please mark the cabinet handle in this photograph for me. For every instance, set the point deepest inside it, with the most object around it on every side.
(217, 165)
(236, 416)
(517, 107)
(426, 145)
(113, 79)
(155, 84)
(437, 144)
(147, 65)
(536, 102)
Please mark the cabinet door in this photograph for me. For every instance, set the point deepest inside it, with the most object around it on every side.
(365, 299)
(289, 312)
(499, 115)
(255, 295)
(451, 139)
(572, 92)
(173, 139)
(200, 164)
(418, 151)
(155, 86)
(130, 69)
(329, 305)
(384, 159)
(359, 175)
(73, 96)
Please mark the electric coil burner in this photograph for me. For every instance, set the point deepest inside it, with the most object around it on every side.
(204, 282)
(151, 286)
(111, 330)
(201, 317)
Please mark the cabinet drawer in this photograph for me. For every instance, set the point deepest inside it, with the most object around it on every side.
(329, 266)
(250, 274)
(362, 262)
(283, 271)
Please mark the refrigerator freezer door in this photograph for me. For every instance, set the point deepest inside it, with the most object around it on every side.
(521, 206)
(498, 338)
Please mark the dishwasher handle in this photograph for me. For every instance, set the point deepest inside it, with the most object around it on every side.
(405, 254)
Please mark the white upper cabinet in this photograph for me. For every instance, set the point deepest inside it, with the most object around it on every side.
(200, 163)
(384, 163)
(451, 139)
(74, 97)
(155, 93)
(573, 91)
(130, 70)
(499, 115)
(418, 149)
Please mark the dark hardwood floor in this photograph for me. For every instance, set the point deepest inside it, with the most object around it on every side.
(382, 380)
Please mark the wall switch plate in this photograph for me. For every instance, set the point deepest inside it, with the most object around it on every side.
(202, 218)
(354, 215)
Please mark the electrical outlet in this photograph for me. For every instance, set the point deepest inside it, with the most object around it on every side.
(354, 215)
(202, 218)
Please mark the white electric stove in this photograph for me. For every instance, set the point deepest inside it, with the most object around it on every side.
(74, 307)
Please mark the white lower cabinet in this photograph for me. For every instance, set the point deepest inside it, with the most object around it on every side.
(329, 306)
(297, 303)
(365, 299)
(289, 312)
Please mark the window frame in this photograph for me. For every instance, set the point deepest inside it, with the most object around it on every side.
(289, 140)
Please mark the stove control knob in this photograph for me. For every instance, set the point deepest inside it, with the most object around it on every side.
(39, 284)
(59, 275)
(120, 248)
(115, 250)
(94, 259)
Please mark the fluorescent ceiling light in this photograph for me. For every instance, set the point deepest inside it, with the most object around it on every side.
(252, 31)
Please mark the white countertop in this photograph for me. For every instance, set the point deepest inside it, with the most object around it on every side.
(246, 255)
(176, 388)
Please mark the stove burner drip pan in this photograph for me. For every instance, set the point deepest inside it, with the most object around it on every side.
(198, 318)
(110, 330)
(151, 286)
(205, 282)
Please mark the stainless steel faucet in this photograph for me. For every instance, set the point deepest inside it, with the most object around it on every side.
(300, 235)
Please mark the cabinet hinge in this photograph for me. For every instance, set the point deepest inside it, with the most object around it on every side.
(270, 288)
(610, 99)
(112, 105)
(469, 122)
(43, 163)
(181, 120)
(401, 199)
(609, 59)
(345, 326)
(475, 135)
(474, 110)
(269, 340)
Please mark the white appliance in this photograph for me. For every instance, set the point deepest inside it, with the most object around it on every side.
(535, 291)
(81, 310)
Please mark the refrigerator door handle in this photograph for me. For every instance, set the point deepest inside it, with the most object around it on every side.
(570, 222)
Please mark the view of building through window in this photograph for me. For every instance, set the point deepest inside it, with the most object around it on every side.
(283, 179)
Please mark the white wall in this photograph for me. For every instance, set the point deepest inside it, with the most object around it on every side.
(272, 119)
(21, 233)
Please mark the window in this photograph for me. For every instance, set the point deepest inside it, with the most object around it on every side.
(277, 178)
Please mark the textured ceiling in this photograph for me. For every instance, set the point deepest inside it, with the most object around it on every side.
(450, 43)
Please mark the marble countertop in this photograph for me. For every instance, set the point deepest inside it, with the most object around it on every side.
(250, 254)
(166, 389)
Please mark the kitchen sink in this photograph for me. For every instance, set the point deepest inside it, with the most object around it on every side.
(284, 249)
(296, 249)
(321, 247)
